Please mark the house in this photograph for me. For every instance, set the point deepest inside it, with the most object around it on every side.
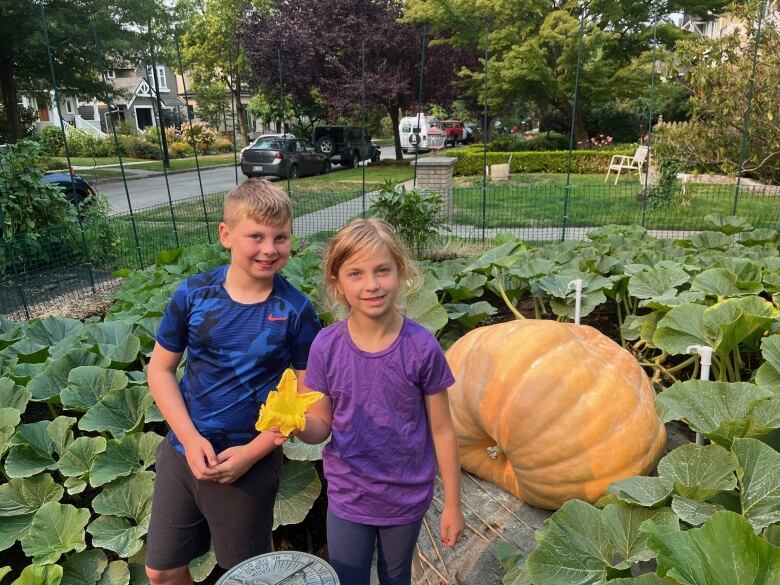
(133, 100)
(256, 126)
(723, 25)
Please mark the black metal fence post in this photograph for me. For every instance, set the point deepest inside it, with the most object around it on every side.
(117, 146)
(650, 113)
(87, 257)
(191, 132)
(567, 187)
(749, 109)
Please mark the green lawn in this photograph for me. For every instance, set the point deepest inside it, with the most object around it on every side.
(533, 200)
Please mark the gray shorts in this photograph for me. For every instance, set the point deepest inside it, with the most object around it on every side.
(188, 515)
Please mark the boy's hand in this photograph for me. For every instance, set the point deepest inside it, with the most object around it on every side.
(232, 463)
(279, 438)
(452, 525)
(201, 458)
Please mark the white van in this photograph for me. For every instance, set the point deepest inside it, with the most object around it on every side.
(429, 135)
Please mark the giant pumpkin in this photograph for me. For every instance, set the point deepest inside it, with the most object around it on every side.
(551, 411)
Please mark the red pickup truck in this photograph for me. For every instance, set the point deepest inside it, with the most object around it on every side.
(454, 132)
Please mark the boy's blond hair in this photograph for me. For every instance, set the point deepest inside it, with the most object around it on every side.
(366, 235)
(259, 200)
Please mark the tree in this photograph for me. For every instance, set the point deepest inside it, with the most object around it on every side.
(533, 48)
(212, 50)
(213, 101)
(24, 63)
(717, 73)
(320, 45)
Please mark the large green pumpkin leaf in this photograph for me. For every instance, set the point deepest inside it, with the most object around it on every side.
(117, 534)
(698, 472)
(738, 320)
(56, 529)
(119, 411)
(759, 482)
(470, 315)
(721, 411)
(298, 489)
(12, 528)
(299, 451)
(423, 306)
(59, 432)
(13, 395)
(115, 340)
(694, 512)
(680, 328)
(640, 490)
(768, 373)
(622, 526)
(117, 573)
(84, 568)
(77, 460)
(54, 376)
(31, 451)
(86, 385)
(575, 548)
(201, 567)
(40, 575)
(47, 332)
(22, 496)
(9, 419)
(4, 571)
(722, 552)
(657, 281)
(128, 497)
(722, 283)
(133, 452)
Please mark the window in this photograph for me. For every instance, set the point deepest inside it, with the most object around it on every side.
(110, 74)
(68, 106)
(161, 80)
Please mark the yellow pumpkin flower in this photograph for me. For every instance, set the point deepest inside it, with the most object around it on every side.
(285, 408)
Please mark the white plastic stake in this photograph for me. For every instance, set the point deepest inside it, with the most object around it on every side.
(577, 286)
(705, 352)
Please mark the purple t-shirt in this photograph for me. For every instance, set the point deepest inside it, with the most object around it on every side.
(380, 463)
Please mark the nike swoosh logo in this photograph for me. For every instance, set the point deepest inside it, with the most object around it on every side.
(275, 318)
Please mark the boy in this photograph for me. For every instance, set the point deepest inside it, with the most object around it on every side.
(242, 324)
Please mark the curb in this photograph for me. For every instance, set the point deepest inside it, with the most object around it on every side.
(104, 180)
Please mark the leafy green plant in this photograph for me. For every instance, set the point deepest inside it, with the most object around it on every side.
(413, 214)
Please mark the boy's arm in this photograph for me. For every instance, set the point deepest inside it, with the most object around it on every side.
(318, 417)
(164, 387)
(445, 444)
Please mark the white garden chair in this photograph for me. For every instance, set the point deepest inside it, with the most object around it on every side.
(622, 162)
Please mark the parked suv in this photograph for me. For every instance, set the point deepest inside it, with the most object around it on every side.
(345, 145)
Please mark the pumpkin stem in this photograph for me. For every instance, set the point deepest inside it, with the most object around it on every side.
(509, 303)
(495, 451)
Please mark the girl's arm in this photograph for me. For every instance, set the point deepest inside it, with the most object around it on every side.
(161, 376)
(318, 417)
(446, 445)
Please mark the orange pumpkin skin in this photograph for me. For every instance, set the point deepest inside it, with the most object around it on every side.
(570, 410)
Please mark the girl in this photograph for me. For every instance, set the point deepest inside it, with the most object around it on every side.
(384, 378)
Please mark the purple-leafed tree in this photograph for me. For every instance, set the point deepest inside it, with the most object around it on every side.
(320, 46)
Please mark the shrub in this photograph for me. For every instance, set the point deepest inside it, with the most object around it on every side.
(223, 145)
(413, 214)
(470, 161)
(542, 142)
(50, 139)
(179, 149)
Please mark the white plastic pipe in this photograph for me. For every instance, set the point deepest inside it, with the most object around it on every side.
(577, 298)
(705, 352)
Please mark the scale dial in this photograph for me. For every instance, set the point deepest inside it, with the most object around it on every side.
(281, 568)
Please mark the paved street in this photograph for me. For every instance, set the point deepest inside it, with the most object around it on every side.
(151, 190)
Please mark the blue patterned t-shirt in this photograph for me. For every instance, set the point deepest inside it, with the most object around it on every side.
(236, 353)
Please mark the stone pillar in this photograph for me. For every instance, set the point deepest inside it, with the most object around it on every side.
(435, 174)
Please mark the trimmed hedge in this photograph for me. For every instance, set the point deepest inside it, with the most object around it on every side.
(470, 160)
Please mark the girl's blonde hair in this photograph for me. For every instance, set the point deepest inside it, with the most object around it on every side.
(366, 235)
